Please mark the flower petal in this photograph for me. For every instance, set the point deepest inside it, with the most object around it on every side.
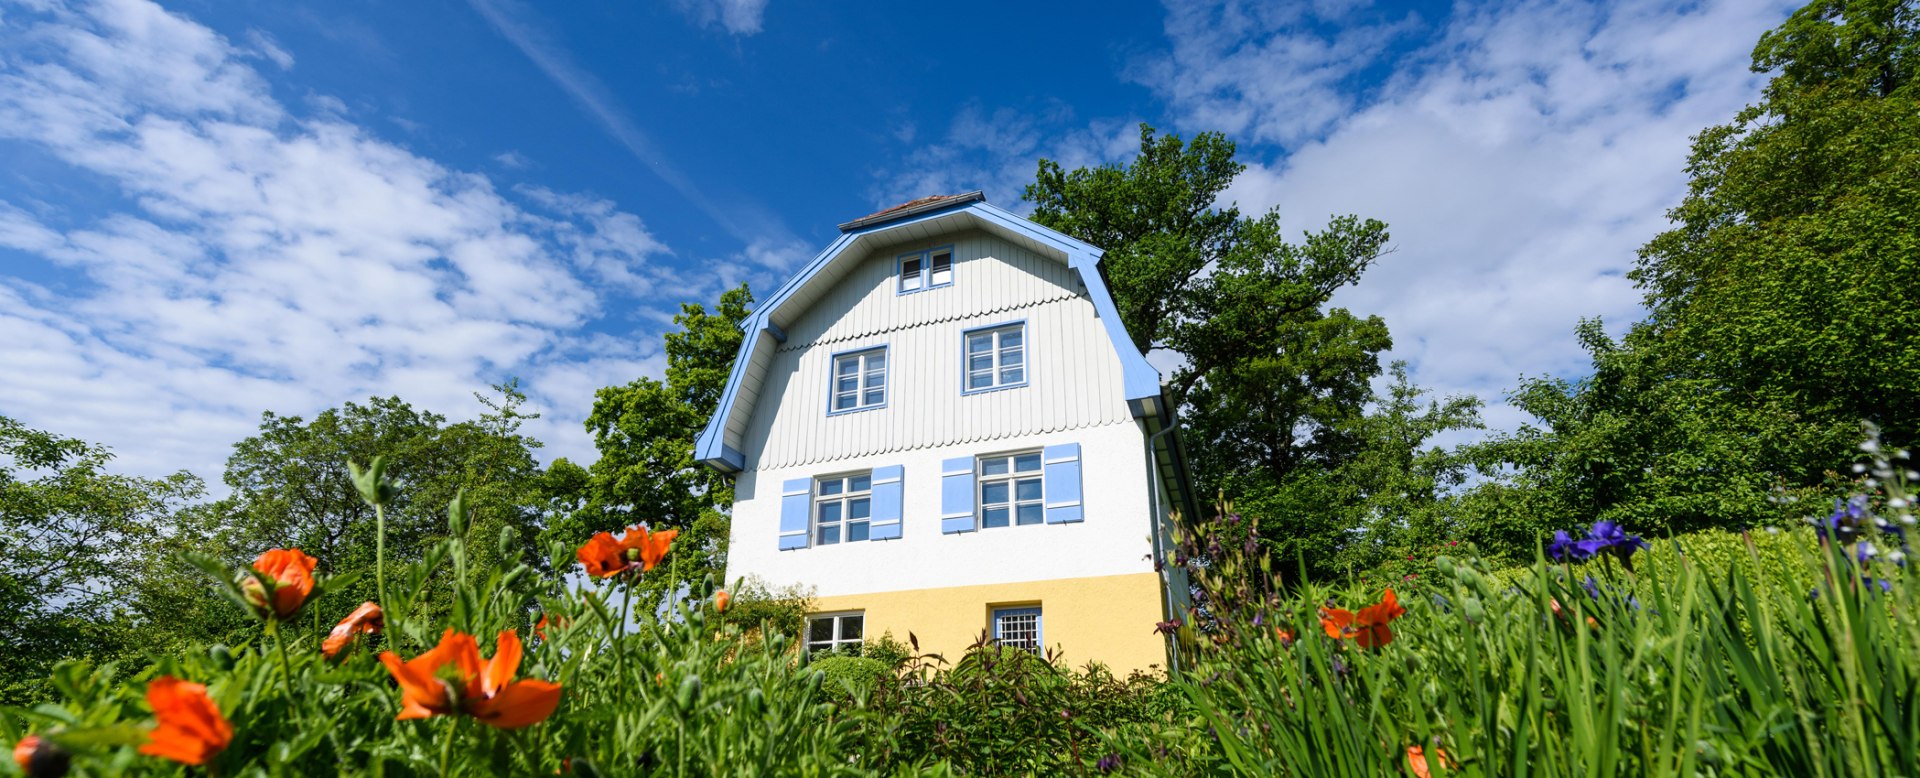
(519, 704)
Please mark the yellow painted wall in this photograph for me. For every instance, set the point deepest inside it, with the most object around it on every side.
(1109, 618)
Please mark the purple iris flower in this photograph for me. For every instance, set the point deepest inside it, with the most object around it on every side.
(1565, 549)
(1607, 537)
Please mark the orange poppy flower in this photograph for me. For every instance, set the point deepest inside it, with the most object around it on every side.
(1285, 636)
(191, 729)
(483, 690)
(1417, 761)
(603, 556)
(653, 546)
(720, 600)
(1368, 627)
(366, 618)
(291, 571)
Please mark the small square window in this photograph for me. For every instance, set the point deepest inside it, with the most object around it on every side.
(834, 632)
(1018, 628)
(859, 381)
(1012, 490)
(929, 269)
(996, 358)
(842, 508)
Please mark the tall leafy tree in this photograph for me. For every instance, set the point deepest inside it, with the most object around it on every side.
(645, 433)
(1214, 285)
(72, 533)
(290, 485)
(1790, 273)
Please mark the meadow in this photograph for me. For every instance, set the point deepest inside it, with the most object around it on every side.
(1787, 652)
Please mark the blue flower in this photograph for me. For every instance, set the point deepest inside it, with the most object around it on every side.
(1565, 549)
(1108, 763)
(1607, 537)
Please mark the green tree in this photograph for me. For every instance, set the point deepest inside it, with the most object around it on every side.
(1215, 286)
(70, 534)
(291, 489)
(645, 433)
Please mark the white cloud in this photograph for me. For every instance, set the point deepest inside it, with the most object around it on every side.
(737, 17)
(266, 260)
(1520, 158)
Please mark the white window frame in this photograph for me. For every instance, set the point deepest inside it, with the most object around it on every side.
(925, 273)
(845, 498)
(1011, 480)
(839, 638)
(868, 379)
(1005, 614)
(1000, 357)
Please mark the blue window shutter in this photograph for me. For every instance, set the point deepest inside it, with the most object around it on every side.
(956, 495)
(887, 482)
(796, 501)
(1063, 483)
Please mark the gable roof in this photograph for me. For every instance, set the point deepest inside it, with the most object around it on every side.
(766, 327)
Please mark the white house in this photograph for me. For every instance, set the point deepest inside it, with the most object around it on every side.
(942, 427)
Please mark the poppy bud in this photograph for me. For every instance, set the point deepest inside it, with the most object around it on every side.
(221, 655)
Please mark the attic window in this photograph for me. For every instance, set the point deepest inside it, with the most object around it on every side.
(929, 269)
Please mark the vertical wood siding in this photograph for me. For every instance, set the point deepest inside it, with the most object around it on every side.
(1074, 374)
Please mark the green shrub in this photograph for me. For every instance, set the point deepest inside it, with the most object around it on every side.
(850, 677)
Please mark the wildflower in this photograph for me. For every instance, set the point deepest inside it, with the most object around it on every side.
(365, 619)
(1417, 761)
(1167, 627)
(1285, 636)
(653, 547)
(1607, 537)
(1368, 627)
(603, 556)
(483, 691)
(1108, 763)
(1565, 549)
(191, 729)
(720, 601)
(291, 572)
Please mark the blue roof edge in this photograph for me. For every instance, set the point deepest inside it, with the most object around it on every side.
(1139, 379)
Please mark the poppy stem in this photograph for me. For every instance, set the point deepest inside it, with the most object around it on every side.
(380, 554)
(446, 748)
(280, 644)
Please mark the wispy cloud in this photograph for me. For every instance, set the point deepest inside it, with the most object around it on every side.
(737, 17)
(519, 25)
(264, 258)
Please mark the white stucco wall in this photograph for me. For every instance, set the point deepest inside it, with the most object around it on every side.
(1113, 540)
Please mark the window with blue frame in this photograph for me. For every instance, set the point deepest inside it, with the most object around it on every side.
(996, 357)
(842, 508)
(1012, 490)
(1018, 628)
(926, 270)
(859, 380)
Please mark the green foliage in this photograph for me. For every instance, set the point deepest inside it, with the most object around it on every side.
(1006, 711)
(851, 677)
(70, 533)
(1217, 287)
(1763, 654)
(755, 605)
(645, 433)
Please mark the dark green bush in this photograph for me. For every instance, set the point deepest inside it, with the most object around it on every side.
(850, 677)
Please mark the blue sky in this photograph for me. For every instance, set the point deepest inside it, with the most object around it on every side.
(212, 209)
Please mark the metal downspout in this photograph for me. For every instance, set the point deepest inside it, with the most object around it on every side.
(1158, 517)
